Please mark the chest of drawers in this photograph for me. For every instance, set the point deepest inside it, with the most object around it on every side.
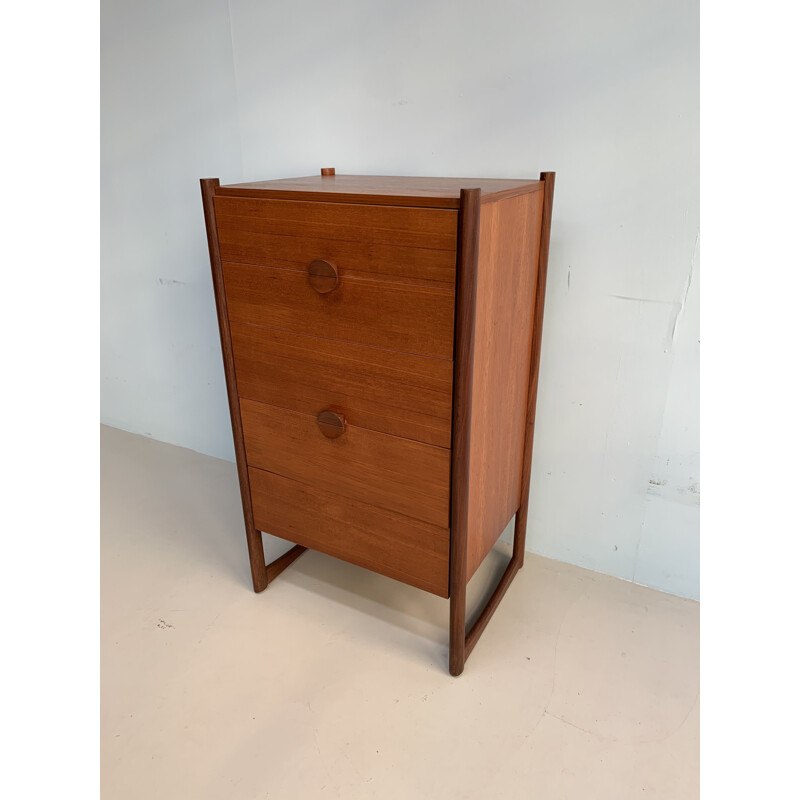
(381, 340)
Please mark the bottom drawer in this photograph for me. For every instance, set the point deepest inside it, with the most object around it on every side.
(392, 544)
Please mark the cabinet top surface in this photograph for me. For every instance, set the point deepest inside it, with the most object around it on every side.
(381, 189)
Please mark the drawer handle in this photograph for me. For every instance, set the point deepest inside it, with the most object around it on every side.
(323, 276)
(331, 424)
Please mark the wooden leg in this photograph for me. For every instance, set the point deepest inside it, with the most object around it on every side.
(255, 547)
(255, 544)
(462, 642)
(267, 573)
(458, 616)
(279, 564)
(466, 298)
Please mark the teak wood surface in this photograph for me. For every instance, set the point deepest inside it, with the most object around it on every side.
(394, 545)
(255, 542)
(382, 390)
(396, 316)
(393, 473)
(466, 301)
(341, 375)
(462, 641)
(391, 190)
(507, 259)
(401, 244)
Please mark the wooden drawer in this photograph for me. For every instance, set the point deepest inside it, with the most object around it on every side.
(381, 390)
(403, 317)
(400, 547)
(388, 472)
(406, 244)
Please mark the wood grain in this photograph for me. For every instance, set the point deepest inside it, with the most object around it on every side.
(407, 244)
(466, 288)
(396, 474)
(399, 226)
(255, 543)
(521, 522)
(382, 390)
(513, 192)
(391, 544)
(375, 189)
(518, 553)
(508, 255)
(410, 319)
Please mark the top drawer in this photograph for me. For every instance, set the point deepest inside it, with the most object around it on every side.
(390, 242)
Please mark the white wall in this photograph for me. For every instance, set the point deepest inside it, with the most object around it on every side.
(169, 118)
(604, 93)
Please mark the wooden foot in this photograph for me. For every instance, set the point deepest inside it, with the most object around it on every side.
(279, 564)
(458, 615)
(264, 574)
(255, 547)
(462, 641)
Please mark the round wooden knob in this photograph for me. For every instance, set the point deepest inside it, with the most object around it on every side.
(323, 276)
(328, 172)
(331, 424)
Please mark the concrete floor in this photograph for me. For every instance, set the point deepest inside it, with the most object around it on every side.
(333, 683)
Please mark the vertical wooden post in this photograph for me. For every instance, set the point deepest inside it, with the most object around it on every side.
(466, 294)
(255, 543)
(521, 522)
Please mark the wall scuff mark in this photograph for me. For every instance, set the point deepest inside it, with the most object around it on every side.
(646, 300)
(686, 288)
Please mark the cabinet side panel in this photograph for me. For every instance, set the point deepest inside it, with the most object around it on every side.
(507, 259)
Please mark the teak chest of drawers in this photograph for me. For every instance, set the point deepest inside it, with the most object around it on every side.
(381, 341)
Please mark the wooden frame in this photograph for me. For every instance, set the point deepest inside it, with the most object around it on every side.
(462, 642)
(262, 572)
